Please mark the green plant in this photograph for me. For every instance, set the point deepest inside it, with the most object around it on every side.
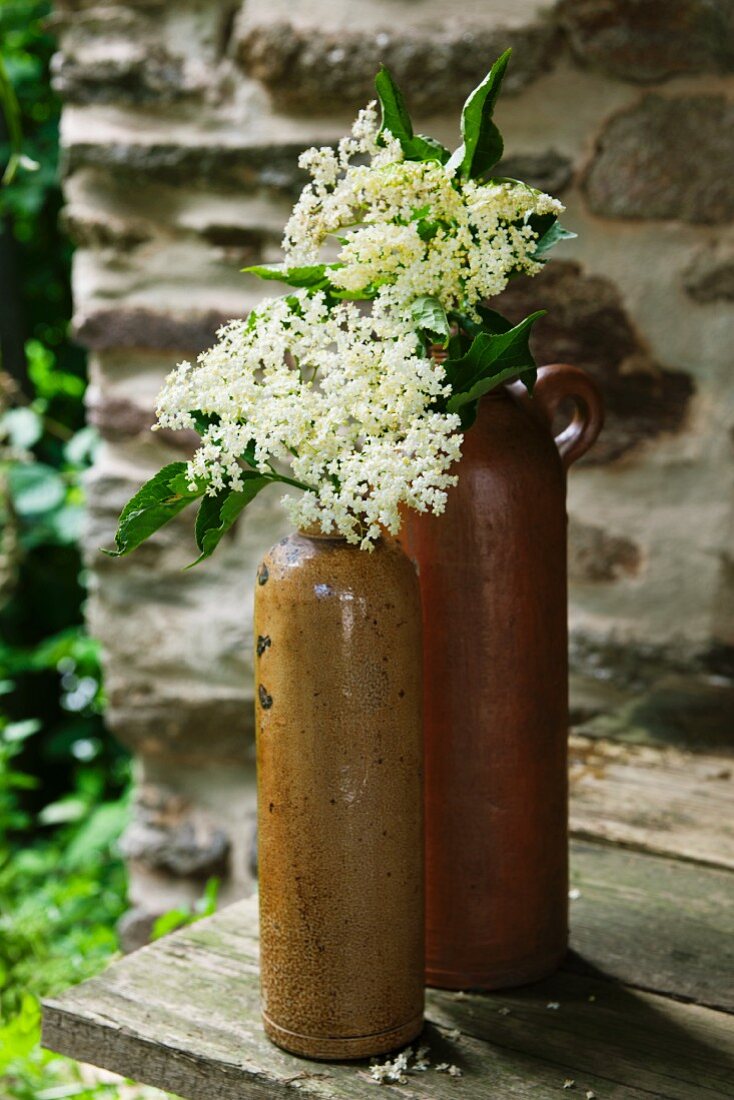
(59, 900)
(337, 388)
(63, 781)
(61, 895)
(180, 918)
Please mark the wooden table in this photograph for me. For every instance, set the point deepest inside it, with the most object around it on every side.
(644, 1006)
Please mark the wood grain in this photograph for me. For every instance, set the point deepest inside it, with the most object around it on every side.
(654, 800)
(653, 923)
(183, 1014)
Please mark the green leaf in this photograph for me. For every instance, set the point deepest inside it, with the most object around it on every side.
(98, 834)
(491, 360)
(80, 450)
(218, 513)
(20, 1035)
(396, 120)
(206, 905)
(427, 230)
(23, 427)
(459, 402)
(179, 918)
(203, 421)
(169, 922)
(62, 526)
(155, 504)
(311, 276)
(492, 321)
(551, 237)
(13, 126)
(70, 808)
(482, 146)
(366, 294)
(35, 488)
(431, 321)
(20, 731)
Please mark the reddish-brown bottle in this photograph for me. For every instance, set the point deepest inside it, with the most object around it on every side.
(493, 586)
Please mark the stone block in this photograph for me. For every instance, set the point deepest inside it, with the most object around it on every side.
(210, 166)
(666, 157)
(710, 276)
(191, 823)
(117, 419)
(548, 171)
(136, 76)
(170, 834)
(646, 41)
(89, 228)
(596, 555)
(150, 329)
(312, 68)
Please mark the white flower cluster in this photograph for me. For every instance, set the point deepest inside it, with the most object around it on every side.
(407, 1063)
(345, 394)
(412, 228)
(342, 396)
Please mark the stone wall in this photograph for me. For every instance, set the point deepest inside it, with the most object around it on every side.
(181, 130)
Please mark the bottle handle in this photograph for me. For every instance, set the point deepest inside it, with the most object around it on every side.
(560, 382)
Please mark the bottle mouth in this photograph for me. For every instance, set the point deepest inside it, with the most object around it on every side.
(315, 532)
(317, 535)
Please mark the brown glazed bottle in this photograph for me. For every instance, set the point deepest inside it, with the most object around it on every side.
(492, 573)
(340, 797)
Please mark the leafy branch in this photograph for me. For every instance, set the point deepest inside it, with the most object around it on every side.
(483, 349)
(169, 492)
(11, 114)
(396, 120)
(482, 146)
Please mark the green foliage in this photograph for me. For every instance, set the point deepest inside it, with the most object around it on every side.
(312, 276)
(491, 359)
(217, 514)
(551, 234)
(483, 354)
(482, 146)
(431, 321)
(168, 492)
(62, 778)
(180, 918)
(60, 896)
(396, 120)
(156, 503)
(11, 114)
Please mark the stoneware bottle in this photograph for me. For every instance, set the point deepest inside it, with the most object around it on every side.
(493, 583)
(340, 797)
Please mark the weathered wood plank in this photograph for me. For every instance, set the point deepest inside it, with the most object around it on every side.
(656, 800)
(654, 923)
(628, 1038)
(197, 1074)
(183, 1014)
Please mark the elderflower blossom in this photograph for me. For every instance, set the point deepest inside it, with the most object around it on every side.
(407, 1063)
(412, 228)
(342, 397)
(394, 1072)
